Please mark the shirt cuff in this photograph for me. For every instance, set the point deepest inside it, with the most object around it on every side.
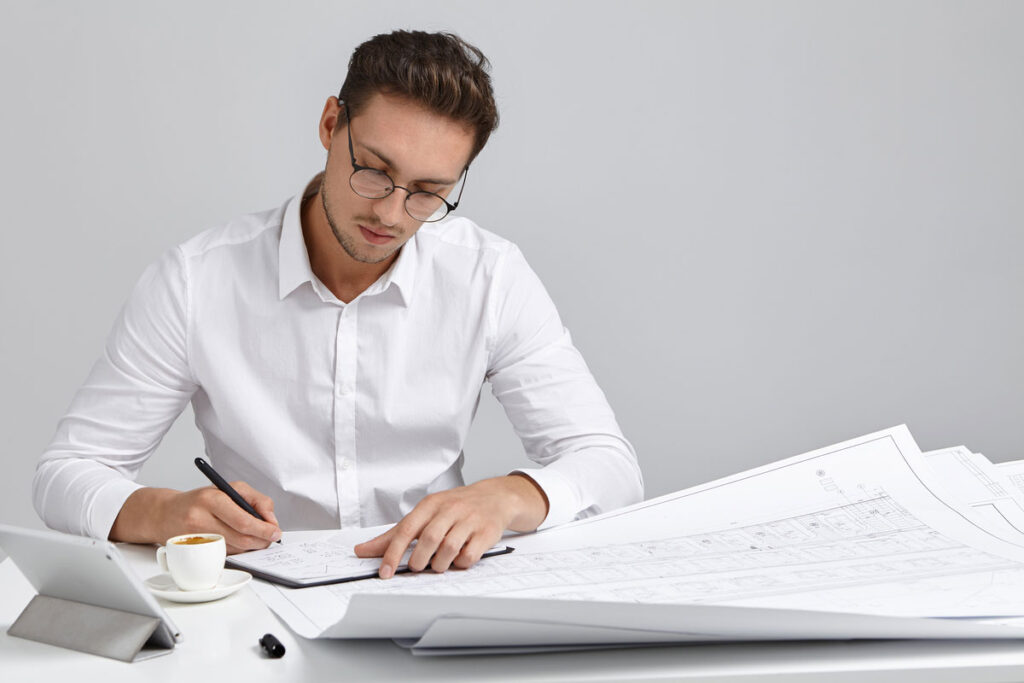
(563, 501)
(106, 503)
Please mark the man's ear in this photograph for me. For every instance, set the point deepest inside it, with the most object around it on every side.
(333, 112)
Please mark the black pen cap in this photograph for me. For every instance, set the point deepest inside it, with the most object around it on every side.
(272, 646)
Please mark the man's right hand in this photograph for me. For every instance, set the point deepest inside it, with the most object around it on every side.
(152, 515)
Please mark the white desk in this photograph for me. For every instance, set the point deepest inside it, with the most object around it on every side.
(220, 643)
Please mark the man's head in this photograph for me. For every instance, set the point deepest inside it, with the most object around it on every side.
(439, 71)
(417, 107)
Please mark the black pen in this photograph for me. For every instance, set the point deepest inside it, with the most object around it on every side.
(219, 482)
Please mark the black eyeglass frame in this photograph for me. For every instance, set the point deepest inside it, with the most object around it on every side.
(356, 168)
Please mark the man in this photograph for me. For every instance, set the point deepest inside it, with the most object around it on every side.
(334, 350)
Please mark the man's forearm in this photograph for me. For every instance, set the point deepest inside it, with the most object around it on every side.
(139, 520)
(532, 507)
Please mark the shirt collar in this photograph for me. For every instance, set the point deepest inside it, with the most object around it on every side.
(402, 273)
(293, 258)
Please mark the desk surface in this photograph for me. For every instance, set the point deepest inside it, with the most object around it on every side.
(220, 638)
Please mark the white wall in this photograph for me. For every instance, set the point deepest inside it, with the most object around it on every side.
(770, 226)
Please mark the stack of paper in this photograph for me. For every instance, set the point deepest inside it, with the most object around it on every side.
(869, 538)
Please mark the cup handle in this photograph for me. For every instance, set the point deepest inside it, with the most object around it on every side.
(161, 558)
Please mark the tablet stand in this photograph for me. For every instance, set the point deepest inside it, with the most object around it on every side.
(88, 628)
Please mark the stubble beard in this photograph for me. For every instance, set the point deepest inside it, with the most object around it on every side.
(346, 242)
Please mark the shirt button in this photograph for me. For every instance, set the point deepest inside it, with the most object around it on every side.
(345, 464)
(343, 389)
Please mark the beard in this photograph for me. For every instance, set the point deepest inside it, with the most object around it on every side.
(347, 242)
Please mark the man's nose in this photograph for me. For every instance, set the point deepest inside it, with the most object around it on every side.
(390, 209)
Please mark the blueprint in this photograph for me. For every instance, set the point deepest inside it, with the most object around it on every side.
(972, 480)
(1014, 473)
(868, 527)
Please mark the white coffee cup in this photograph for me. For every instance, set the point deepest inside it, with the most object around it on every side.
(194, 561)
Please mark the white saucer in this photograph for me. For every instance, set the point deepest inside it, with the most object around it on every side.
(163, 586)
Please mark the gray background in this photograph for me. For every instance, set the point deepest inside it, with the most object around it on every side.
(770, 226)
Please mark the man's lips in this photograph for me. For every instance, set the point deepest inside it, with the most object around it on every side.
(375, 237)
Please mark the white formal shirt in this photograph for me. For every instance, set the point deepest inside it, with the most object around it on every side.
(345, 414)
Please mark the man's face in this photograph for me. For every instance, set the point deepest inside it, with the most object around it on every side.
(420, 150)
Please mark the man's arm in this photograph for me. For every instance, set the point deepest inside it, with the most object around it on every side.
(85, 481)
(564, 422)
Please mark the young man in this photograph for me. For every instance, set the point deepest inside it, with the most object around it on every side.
(334, 350)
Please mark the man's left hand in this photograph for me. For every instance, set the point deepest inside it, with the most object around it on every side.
(456, 527)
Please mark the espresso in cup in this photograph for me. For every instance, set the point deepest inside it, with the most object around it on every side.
(195, 540)
(194, 561)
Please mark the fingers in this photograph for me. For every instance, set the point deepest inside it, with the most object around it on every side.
(208, 510)
(375, 547)
(393, 543)
(232, 550)
(474, 549)
(262, 503)
(402, 536)
(199, 518)
(451, 528)
(452, 545)
(241, 530)
(428, 541)
(243, 525)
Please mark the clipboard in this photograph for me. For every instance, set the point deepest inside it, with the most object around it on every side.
(236, 562)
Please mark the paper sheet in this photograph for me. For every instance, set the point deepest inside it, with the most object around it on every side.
(859, 527)
(310, 560)
(1014, 472)
(972, 480)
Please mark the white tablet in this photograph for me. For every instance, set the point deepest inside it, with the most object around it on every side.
(84, 570)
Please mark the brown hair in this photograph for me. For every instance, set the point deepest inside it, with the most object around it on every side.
(440, 71)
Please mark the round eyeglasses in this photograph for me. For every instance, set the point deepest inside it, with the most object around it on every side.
(370, 183)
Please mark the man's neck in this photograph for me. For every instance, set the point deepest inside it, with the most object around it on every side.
(339, 272)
